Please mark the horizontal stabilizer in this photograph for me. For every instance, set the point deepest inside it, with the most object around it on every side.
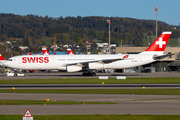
(162, 56)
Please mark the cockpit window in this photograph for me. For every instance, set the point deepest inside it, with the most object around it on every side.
(10, 60)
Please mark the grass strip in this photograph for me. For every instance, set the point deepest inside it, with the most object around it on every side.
(93, 117)
(42, 102)
(167, 80)
(97, 91)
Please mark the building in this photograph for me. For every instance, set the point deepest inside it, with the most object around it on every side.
(104, 47)
(23, 47)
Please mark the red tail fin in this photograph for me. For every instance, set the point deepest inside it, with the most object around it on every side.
(160, 43)
(1, 58)
(45, 52)
(70, 52)
(30, 54)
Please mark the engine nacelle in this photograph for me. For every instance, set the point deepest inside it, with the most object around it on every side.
(96, 65)
(73, 68)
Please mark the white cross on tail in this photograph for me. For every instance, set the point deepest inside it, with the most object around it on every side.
(160, 42)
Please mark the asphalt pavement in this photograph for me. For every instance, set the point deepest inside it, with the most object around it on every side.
(44, 75)
(127, 104)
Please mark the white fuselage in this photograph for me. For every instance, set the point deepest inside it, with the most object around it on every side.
(60, 62)
(2, 62)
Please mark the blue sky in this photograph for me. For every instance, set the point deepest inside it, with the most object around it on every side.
(168, 10)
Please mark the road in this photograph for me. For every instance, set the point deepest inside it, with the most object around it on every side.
(89, 86)
(87, 97)
(42, 75)
(132, 104)
(170, 107)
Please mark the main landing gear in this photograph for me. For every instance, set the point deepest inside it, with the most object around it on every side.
(88, 73)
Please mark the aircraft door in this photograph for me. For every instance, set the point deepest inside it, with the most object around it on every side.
(137, 59)
(19, 61)
(51, 60)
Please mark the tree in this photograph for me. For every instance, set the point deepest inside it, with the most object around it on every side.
(15, 53)
(72, 29)
(93, 48)
(65, 38)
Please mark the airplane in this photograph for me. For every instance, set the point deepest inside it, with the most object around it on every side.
(45, 52)
(89, 63)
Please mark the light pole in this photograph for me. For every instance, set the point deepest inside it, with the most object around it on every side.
(87, 43)
(108, 21)
(156, 21)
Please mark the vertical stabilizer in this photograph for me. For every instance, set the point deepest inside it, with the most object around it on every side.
(1, 57)
(159, 44)
(70, 52)
(45, 51)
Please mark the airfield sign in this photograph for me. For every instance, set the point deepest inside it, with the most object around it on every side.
(27, 115)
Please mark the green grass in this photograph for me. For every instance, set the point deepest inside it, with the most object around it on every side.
(42, 102)
(170, 80)
(93, 117)
(97, 91)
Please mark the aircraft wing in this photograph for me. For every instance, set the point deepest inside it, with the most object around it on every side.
(101, 61)
(162, 56)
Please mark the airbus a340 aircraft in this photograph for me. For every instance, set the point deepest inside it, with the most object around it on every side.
(89, 63)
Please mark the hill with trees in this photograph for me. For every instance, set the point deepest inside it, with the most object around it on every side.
(78, 30)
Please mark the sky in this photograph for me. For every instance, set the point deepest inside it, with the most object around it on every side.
(168, 10)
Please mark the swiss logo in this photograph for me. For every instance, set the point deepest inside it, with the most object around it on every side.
(126, 56)
(35, 60)
(160, 43)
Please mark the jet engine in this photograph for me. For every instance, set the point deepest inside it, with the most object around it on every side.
(96, 65)
(73, 68)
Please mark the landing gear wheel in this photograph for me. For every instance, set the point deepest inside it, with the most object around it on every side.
(89, 74)
(83, 74)
(25, 75)
(93, 74)
(15, 74)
